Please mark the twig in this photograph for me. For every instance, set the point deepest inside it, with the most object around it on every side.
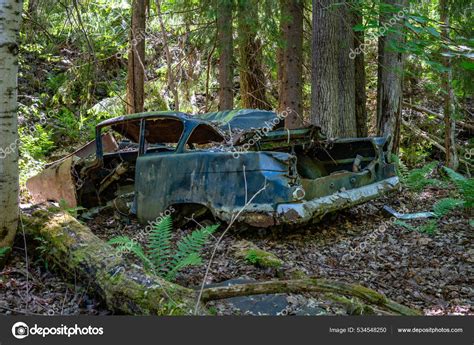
(232, 221)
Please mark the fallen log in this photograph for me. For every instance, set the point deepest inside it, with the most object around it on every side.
(125, 289)
(318, 285)
(463, 124)
(129, 289)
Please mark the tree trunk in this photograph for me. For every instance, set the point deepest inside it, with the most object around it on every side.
(10, 17)
(333, 85)
(125, 288)
(359, 76)
(225, 48)
(169, 59)
(290, 63)
(136, 58)
(452, 160)
(252, 78)
(390, 76)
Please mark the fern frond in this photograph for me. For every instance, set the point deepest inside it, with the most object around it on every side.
(444, 206)
(126, 245)
(192, 259)
(464, 185)
(416, 179)
(4, 251)
(193, 243)
(428, 228)
(120, 240)
(400, 167)
(159, 244)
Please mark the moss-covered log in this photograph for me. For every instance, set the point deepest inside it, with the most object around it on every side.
(128, 289)
(367, 295)
(125, 288)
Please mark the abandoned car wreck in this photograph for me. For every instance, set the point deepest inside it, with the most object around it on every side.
(277, 176)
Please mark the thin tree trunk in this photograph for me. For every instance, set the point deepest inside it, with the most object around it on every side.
(252, 78)
(225, 48)
(333, 85)
(390, 76)
(291, 62)
(136, 58)
(169, 59)
(452, 160)
(359, 75)
(10, 18)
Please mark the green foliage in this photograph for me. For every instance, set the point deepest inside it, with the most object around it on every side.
(124, 244)
(4, 251)
(444, 206)
(400, 167)
(158, 256)
(159, 244)
(417, 179)
(429, 227)
(465, 186)
(64, 206)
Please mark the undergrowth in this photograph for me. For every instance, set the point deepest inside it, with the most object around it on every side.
(158, 256)
(417, 179)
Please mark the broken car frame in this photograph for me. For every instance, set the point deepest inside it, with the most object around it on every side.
(171, 159)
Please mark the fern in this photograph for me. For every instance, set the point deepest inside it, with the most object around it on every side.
(126, 245)
(416, 179)
(429, 228)
(400, 168)
(192, 259)
(464, 185)
(158, 255)
(159, 244)
(192, 243)
(444, 206)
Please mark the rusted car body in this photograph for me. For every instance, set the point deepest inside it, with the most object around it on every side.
(234, 164)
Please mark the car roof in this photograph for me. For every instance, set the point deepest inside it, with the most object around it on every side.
(151, 114)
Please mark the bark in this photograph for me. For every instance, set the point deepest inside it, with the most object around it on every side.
(290, 62)
(359, 76)
(10, 17)
(252, 78)
(169, 59)
(309, 285)
(136, 58)
(452, 160)
(333, 85)
(125, 288)
(225, 48)
(390, 76)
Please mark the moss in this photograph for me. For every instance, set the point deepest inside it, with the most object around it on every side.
(254, 255)
(262, 258)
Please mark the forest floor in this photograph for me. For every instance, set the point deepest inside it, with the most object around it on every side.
(431, 272)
